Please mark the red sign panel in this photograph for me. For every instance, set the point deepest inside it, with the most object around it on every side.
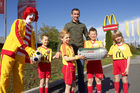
(1, 6)
(110, 27)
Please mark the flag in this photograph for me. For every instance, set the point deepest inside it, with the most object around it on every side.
(138, 27)
(22, 4)
(132, 28)
(127, 29)
(1, 6)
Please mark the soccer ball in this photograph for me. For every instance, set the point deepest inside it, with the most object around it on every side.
(36, 57)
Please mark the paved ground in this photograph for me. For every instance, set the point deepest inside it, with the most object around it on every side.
(108, 86)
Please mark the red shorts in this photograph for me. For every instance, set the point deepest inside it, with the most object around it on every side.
(69, 73)
(94, 68)
(119, 67)
(44, 70)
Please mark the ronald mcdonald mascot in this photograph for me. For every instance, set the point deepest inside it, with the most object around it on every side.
(18, 47)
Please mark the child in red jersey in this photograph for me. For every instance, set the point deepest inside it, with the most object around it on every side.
(94, 67)
(121, 60)
(44, 67)
(69, 61)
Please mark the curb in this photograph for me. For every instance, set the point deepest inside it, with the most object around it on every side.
(51, 85)
(55, 83)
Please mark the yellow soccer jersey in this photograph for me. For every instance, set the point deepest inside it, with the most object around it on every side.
(120, 51)
(93, 44)
(46, 52)
(67, 50)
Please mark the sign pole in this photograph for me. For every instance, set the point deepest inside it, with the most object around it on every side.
(5, 18)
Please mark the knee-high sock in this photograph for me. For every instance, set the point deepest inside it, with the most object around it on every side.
(125, 87)
(116, 85)
(41, 90)
(46, 89)
(99, 88)
(71, 91)
(90, 89)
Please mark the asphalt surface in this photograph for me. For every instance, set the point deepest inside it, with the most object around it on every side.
(107, 82)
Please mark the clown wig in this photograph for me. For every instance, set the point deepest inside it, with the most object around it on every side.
(29, 10)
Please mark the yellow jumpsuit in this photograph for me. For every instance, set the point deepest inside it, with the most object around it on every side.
(11, 61)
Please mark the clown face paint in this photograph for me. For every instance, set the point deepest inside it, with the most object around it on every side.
(30, 18)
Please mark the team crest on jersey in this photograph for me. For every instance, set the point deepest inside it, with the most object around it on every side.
(95, 45)
(48, 52)
(121, 47)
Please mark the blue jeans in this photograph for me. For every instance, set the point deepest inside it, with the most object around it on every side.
(80, 69)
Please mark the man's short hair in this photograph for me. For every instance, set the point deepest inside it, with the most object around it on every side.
(75, 9)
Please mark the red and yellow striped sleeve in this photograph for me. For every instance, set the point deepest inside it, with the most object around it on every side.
(18, 31)
(19, 28)
(85, 44)
(63, 50)
(50, 55)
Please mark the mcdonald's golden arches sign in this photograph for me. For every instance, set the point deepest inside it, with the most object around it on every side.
(110, 26)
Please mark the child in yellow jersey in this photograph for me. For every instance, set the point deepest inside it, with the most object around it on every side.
(121, 60)
(69, 61)
(44, 67)
(94, 67)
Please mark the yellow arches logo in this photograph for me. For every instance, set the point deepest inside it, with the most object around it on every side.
(110, 26)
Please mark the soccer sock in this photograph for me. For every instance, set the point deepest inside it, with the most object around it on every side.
(116, 85)
(99, 88)
(46, 89)
(71, 91)
(41, 90)
(125, 87)
(90, 89)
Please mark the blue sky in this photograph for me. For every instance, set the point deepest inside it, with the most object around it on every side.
(57, 12)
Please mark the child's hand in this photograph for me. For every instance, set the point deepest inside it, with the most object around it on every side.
(54, 57)
(32, 62)
(106, 56)
(126, 71)
(57, 55)
(81, 57)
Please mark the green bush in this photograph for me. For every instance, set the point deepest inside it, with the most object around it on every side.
(132, 49)
(52, 44)
(108, 40)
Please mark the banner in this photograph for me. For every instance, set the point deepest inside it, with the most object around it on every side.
(22, 4)
(138, 27)
(132, 28)
(1, 6)
(127, 29)
(110, 26)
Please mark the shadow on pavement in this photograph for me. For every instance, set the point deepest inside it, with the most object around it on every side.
(60, 89)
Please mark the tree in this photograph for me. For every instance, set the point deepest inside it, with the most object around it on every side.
(108, 40)
(53, 34)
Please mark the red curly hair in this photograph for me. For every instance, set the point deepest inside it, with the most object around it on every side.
(29, 10)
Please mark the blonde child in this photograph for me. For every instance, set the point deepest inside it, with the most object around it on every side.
(121, 60)
(94, 67)
(69, 61)
(44, 67)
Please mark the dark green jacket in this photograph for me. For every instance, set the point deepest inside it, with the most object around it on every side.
(77, 30)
